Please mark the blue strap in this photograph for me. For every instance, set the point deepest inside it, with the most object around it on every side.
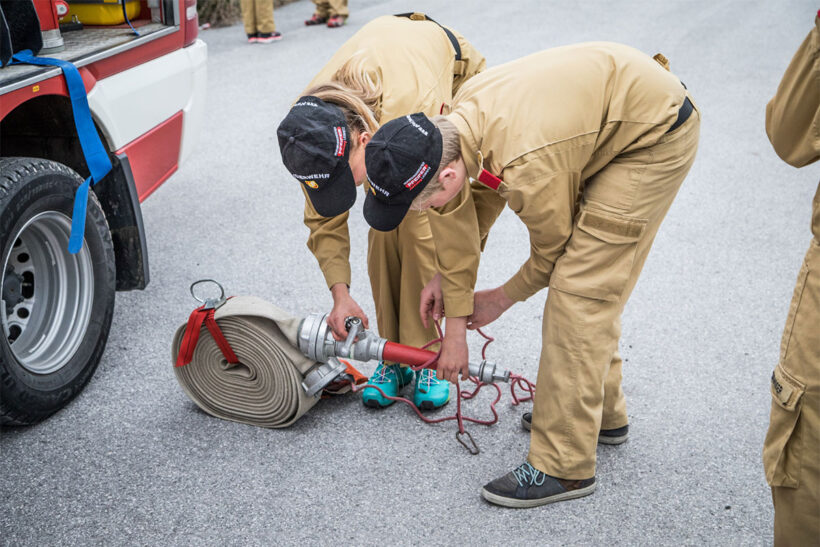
(96, 157)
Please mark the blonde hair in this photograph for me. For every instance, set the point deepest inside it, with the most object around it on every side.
(450, 152)
(355, 91)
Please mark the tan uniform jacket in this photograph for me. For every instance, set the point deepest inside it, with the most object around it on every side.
(544, 124)
(415, 62)
(793, 114)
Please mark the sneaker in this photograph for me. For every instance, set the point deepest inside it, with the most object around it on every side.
(268, 37)
(614, 436)
(253, 38)
(390, 379)
(430, 392)
(606, 436)
(315, 19)
(525, 486)
(336, 21)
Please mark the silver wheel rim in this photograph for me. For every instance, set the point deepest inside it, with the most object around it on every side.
(47, 294)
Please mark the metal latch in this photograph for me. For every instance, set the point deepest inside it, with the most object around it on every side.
(322, 376)
(209, 303)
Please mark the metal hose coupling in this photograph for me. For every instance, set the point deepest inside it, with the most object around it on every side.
(488, 372)
(316, 341)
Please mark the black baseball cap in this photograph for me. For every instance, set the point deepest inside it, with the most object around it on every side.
(314, 142)
(401, 158)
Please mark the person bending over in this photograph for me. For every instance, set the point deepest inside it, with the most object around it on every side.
(588, 145)
(392, 66)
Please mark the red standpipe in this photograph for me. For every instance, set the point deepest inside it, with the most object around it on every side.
(47, 13)
(408, 355)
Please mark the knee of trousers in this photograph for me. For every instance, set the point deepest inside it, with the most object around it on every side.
(575, 321)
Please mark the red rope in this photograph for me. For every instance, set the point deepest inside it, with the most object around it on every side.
(516, 380)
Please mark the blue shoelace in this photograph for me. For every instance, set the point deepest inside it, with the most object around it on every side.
(526, 473)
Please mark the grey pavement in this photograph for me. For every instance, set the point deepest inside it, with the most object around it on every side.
(133, 461)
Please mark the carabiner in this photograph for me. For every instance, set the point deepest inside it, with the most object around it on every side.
(474, 449)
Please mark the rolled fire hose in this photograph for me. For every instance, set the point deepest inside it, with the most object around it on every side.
(265, 387)
(272, 367)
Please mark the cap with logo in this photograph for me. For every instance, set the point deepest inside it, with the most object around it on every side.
(401, 158)
(313, 140)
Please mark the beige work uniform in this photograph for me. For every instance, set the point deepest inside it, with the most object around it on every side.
(791, 452)
(415, 62)
(257, 16)
(579, 136)
(328, 8)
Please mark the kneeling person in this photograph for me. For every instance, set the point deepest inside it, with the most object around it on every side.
(588, 144)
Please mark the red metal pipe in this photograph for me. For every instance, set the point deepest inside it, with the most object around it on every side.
(407, 355)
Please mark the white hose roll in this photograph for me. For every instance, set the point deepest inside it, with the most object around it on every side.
(265, 388)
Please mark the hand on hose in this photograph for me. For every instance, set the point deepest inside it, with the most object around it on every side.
(431, 301)
(488, 306)
(455, 356)
(343, 307)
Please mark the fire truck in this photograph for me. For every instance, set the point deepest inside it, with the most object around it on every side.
(142, 73)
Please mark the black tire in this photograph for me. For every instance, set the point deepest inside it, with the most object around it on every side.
(36, 198)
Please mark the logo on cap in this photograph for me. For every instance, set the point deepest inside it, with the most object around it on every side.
(374, 187)
(417, 177)
(341, 140)
(312, 184)
(417, 126)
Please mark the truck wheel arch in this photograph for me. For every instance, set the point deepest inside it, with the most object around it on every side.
(44, 127)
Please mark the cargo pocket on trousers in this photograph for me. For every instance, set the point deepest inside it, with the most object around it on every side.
(782, 448)
(599, 256)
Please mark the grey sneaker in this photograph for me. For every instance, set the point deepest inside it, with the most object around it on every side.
(606, 436)
(525, 486)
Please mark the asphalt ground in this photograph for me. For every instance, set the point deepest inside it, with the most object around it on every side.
(133, 461)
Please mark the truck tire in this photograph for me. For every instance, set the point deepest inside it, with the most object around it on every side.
(56, 308)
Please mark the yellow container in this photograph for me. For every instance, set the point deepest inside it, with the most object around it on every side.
(102, 12)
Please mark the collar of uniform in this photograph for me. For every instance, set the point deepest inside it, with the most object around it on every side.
(469, 148)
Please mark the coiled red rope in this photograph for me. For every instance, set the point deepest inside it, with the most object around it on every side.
(515, 381)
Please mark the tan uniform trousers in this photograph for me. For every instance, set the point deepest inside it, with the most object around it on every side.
(791, 452)
(329, 8)
(580, 369)
(400, 263)
(258, 16)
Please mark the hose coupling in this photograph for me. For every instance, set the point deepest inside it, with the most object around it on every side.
(488, 372)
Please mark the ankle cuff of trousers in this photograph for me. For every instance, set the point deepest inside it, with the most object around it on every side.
(615, 424)
(555, 469)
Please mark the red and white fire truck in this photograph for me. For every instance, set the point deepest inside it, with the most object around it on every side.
(145, 85)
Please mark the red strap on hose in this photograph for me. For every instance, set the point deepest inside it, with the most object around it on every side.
(489, 180)
(191, 337)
